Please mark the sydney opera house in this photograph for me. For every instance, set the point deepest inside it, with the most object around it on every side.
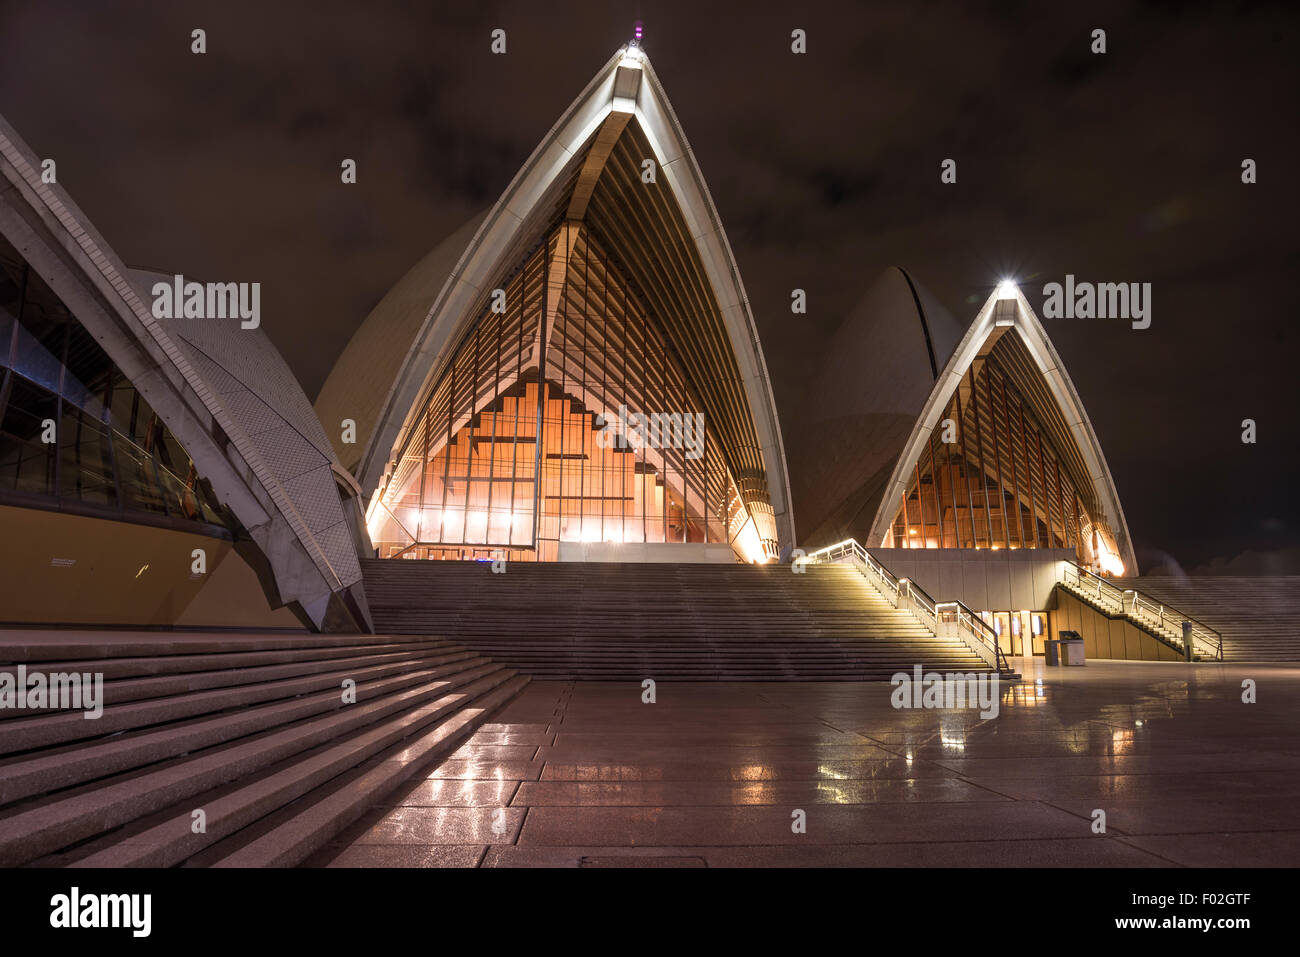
(572, 386)
(464, 419)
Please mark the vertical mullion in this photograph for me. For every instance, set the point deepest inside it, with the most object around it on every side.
(1029, 470)
(496, 424)
(541, 400)
(446, 455)
(952, 484)
(1065, 531)
(997, 458)
(1011, 455)
(977, 409)
(937, 484)
(965, 465)
(920, 498)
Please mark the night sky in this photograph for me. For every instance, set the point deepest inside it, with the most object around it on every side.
(1123, 167)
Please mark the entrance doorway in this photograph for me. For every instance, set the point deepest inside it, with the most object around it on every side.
(1020, 633)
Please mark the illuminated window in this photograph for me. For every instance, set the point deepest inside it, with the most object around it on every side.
(476, 477)
(112, 453)
(1003, 482)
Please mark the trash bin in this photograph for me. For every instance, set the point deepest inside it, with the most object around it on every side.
(1071, 648)
(1052, 651)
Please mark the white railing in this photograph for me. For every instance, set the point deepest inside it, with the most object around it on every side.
(947, 619)
(1143, 611)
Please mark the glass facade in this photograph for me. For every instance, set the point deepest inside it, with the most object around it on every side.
(1002, 482)
(73, 431)
(608, 445)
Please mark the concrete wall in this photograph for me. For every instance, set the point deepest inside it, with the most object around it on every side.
(1105, 637)
(985, 579)
(645, 552)
(122, 574)
(234, 598)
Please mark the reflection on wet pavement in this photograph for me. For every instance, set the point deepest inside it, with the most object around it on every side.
(585, 774)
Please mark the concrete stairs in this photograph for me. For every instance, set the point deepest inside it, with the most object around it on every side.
(1113, 605)
(683, 622)
(1259, 618)
(251, 729)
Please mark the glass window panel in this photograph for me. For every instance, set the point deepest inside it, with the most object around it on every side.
(138, 476)
(26, 462)
(86, 459)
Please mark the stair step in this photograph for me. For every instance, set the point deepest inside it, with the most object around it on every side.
(35, 828)
(52, 769)
(60, 727)
(28, 646)
(310, 828)
(676, 622)
(122, 691)
(171, 840)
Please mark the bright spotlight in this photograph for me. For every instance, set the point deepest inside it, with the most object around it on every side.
(1007, 289)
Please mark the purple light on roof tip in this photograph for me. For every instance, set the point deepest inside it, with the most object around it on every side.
(638, 29)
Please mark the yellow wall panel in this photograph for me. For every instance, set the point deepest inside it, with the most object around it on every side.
(108, 572)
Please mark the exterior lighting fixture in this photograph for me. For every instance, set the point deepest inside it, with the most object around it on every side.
(1007, 289)
(1111, 563)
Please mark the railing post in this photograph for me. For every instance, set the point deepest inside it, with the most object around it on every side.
(1187, 640)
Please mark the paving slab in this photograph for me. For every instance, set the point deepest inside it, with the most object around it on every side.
(446, 825)
(408, 855)
(827, 824)
(731, 794)
(455, 792)
(1065, 853)
(590, 776)
(1260, 849)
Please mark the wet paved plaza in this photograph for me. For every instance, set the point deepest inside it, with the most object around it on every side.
(712, 774)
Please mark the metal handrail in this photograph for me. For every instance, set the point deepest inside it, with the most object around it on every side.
(982, 638)
(1143, 609)
(850, 547)
(967, 618)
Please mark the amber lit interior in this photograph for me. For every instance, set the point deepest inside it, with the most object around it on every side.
(465, 484)
(1010, 477)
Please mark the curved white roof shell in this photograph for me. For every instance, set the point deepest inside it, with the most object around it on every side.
(627, 91)
(224, 392)
(1022, 322)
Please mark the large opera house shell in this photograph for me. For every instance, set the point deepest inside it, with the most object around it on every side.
(919, 433)
(600, 287)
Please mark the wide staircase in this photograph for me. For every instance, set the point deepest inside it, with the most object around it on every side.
(682, 622)
(1259, 618)
(226, 750)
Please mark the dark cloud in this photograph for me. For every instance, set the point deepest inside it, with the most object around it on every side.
(824, 168)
